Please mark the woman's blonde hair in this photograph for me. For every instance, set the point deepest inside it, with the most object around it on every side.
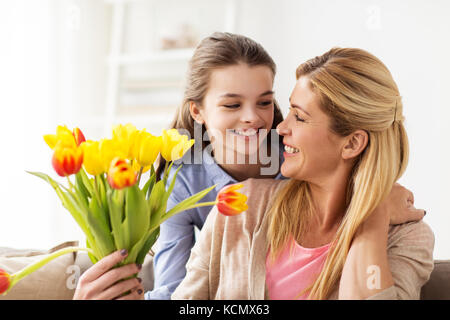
(219, 50)
(356, 91)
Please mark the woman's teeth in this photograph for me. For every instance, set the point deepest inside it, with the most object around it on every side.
(290, 149)
(247, 133)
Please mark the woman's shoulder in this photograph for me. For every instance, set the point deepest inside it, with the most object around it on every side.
(260, 193)
(257, 187)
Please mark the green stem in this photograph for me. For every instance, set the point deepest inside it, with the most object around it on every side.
(71, 186)
(19, 275)
(139, 176)
(165, 169)
(201, 204)
(97, 195)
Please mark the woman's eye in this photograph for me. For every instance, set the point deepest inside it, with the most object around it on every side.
(298, 118)
(232, 106)
(296, 115)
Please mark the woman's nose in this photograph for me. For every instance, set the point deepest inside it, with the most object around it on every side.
(282, 128)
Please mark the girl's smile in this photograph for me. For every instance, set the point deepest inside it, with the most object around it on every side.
(238, 110)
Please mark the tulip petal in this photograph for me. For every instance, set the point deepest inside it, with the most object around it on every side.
(230, 202)
(5, 281)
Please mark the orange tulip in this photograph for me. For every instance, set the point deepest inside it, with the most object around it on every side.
(5, 281)
(230, 202)
(121, 174)
(67, 160)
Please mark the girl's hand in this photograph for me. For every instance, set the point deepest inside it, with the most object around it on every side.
(101, 282)
(399, 206)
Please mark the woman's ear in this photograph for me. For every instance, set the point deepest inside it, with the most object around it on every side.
(355, 144)
(195, 113)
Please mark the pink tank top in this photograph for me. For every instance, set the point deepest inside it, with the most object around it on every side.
(294, 270)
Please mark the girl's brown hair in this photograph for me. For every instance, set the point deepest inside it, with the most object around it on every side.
(217, 51)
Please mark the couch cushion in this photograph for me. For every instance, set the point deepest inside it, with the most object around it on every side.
(56, 280)
(50, 282)
(438, 287)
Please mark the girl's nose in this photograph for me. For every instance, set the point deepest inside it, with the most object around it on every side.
(282, 128)
(249, 115)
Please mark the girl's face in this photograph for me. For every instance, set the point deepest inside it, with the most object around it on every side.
(236, 108)
(312, 151)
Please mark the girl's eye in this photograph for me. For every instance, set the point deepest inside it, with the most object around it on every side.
(266, 103)
(232, 106)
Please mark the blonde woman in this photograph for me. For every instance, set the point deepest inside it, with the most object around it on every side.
(329, 232)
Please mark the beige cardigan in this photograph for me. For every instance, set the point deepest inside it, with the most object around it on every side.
(228, 260)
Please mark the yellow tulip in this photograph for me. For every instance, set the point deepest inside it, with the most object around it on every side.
(92, 161)
(137, 167)
(110, 149)
(64, 137)
(124, 135)
(174, 145)
(146, 148)
(99, 154)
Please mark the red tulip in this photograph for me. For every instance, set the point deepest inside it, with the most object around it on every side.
(67, 160)
(121, 174)
(79, 136)
(5, 281)
(230, 202)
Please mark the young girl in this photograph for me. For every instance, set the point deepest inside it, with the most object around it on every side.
(325, 233)
(229, 108)
(229, 102)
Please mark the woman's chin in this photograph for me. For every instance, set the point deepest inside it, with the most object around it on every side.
(289, 172)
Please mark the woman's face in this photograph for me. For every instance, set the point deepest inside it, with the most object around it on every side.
(312, 151)
(237, 107)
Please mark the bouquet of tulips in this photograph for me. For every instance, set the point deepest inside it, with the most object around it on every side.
(104, 196)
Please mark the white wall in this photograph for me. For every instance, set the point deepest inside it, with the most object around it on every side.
(52, 72)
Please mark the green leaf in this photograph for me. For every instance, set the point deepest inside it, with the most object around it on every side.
(116, 213)
(137, 215)
(167, 171)
(69, 202)
(102, 187)
(79, 183)
(88, 183)
(100, 231)
(172, 184)
(187, 203)
(156, 203)
(92, 257)
(81, 192)
(151, 239)
(137, 248)
(149, 185)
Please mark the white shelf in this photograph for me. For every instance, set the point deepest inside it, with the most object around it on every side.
(152, 57)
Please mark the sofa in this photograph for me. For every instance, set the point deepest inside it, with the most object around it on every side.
(57, 280)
